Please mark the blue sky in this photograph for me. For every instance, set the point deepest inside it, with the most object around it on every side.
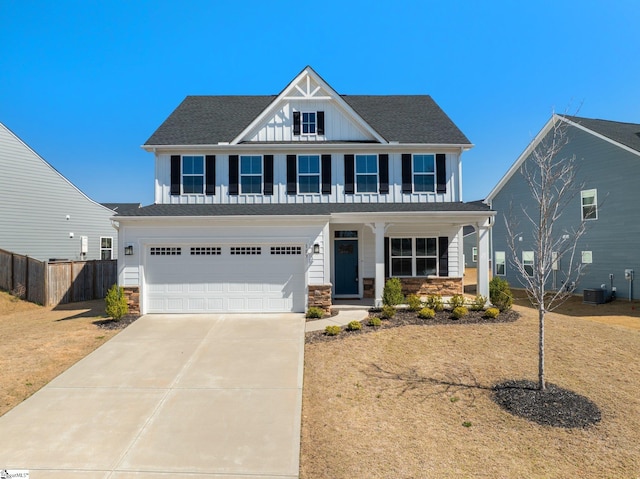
(85, 83)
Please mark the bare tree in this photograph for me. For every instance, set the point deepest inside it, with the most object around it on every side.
(552, 182)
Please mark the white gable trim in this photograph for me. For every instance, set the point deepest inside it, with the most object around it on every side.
(289, 93)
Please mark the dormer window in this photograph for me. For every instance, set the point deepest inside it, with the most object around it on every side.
(308, 123)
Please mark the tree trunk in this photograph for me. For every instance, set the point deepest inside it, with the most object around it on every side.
(541, 382)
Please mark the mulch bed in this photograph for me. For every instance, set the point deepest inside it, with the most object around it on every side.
(406, 318)
(113, 324)
(555, 406)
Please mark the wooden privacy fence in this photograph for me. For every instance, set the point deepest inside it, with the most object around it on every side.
(53, 283)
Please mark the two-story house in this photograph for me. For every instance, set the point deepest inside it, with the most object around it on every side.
(282, 202)
(607, 167)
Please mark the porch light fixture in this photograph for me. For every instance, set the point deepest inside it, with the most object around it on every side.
(316, 248)
(128, 250)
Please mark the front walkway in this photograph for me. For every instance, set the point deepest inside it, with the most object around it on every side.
(170, 396)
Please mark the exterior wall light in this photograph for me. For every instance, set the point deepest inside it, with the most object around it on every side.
(128, 250)
(316, 248)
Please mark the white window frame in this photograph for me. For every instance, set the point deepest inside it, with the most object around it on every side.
(366, 173)
(250, 175)
(309, 123)
(584, 194)
(415, 173)
(501, 260)
(184, 175)
(474, 254)
(587, 257)
(318, 175)
(109, 249)
(414, 256)
(528, 258)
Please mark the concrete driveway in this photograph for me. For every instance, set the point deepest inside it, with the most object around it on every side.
(170, 396)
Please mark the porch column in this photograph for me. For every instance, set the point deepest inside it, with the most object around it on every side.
(482, 235)
(379, 228)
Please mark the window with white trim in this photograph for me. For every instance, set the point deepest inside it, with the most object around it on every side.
(366, 173)
(527, 262)
(308, 122)
(424, 173)
(501, 263)
(587, 257)
(250, 174)
(106, 247)
(474, 254)
(589, 203)
(413, 256)
(308, 174)
(193, 174)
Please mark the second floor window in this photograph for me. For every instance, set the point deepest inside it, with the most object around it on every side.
(367, 173)
(250, 174)
(424, 173)
(308, 122)
(193, 174)
(589, 200)
(308, 174)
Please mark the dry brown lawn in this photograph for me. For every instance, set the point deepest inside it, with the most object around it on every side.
(415, 401)
(39, 343)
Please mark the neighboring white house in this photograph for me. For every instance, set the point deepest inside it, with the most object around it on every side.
(43, 215)
(282, 202)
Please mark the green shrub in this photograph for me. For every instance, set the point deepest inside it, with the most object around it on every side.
(392, 293)
(375, 322)
(478, 303)
(460, 312)
(332, 330)
(354, 326)
(500, 293)
(491, 313)
(434, 301)
(388, 312)
(456, 301)
(314, 313)
(414, 302)
(426, 313)
(116, 303)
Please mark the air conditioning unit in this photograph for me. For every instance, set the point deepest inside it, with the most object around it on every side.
(594, 296)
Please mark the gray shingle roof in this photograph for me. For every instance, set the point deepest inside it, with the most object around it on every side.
(306, 209)
(120, 208)
(208, 120)
(627, 134)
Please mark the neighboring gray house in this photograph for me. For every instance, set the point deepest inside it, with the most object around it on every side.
(470, 247)
(43, 215)
(608, 168)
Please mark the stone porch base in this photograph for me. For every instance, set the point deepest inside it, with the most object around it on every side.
(444, 286)
(133, 299)
(320, 297)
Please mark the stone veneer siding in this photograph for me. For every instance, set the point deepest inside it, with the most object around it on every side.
(444, 286)
(133, 299)
(320, 297)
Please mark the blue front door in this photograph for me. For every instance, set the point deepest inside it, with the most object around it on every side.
(346, 267)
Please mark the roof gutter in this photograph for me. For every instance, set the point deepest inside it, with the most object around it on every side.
(298, 146)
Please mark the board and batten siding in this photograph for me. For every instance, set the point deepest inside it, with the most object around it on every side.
(35, 201)
(280, 196)
(612, 238)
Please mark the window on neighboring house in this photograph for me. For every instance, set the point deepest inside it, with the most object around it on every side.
(308, 122)
(474, 254)
(527, 262)
(367, 173)
(589, 201)
(587, 257)
(106, 247)
(193, 174)
(500, 263)
(414, 256)
(308, 174)
(250, 174)
(424, 173)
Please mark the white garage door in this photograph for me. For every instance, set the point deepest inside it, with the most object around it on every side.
(225, 278)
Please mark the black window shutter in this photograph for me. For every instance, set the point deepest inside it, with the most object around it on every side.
(210, 166)
(443, 260)
(320, 126)
(175, 175)
(407, 184)
(233, 174)
(441, 173)
(349, 174)
(386, 257)
(268, 175)
(326, 174)
(296, 123)
(292, 175)
(383, 173)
